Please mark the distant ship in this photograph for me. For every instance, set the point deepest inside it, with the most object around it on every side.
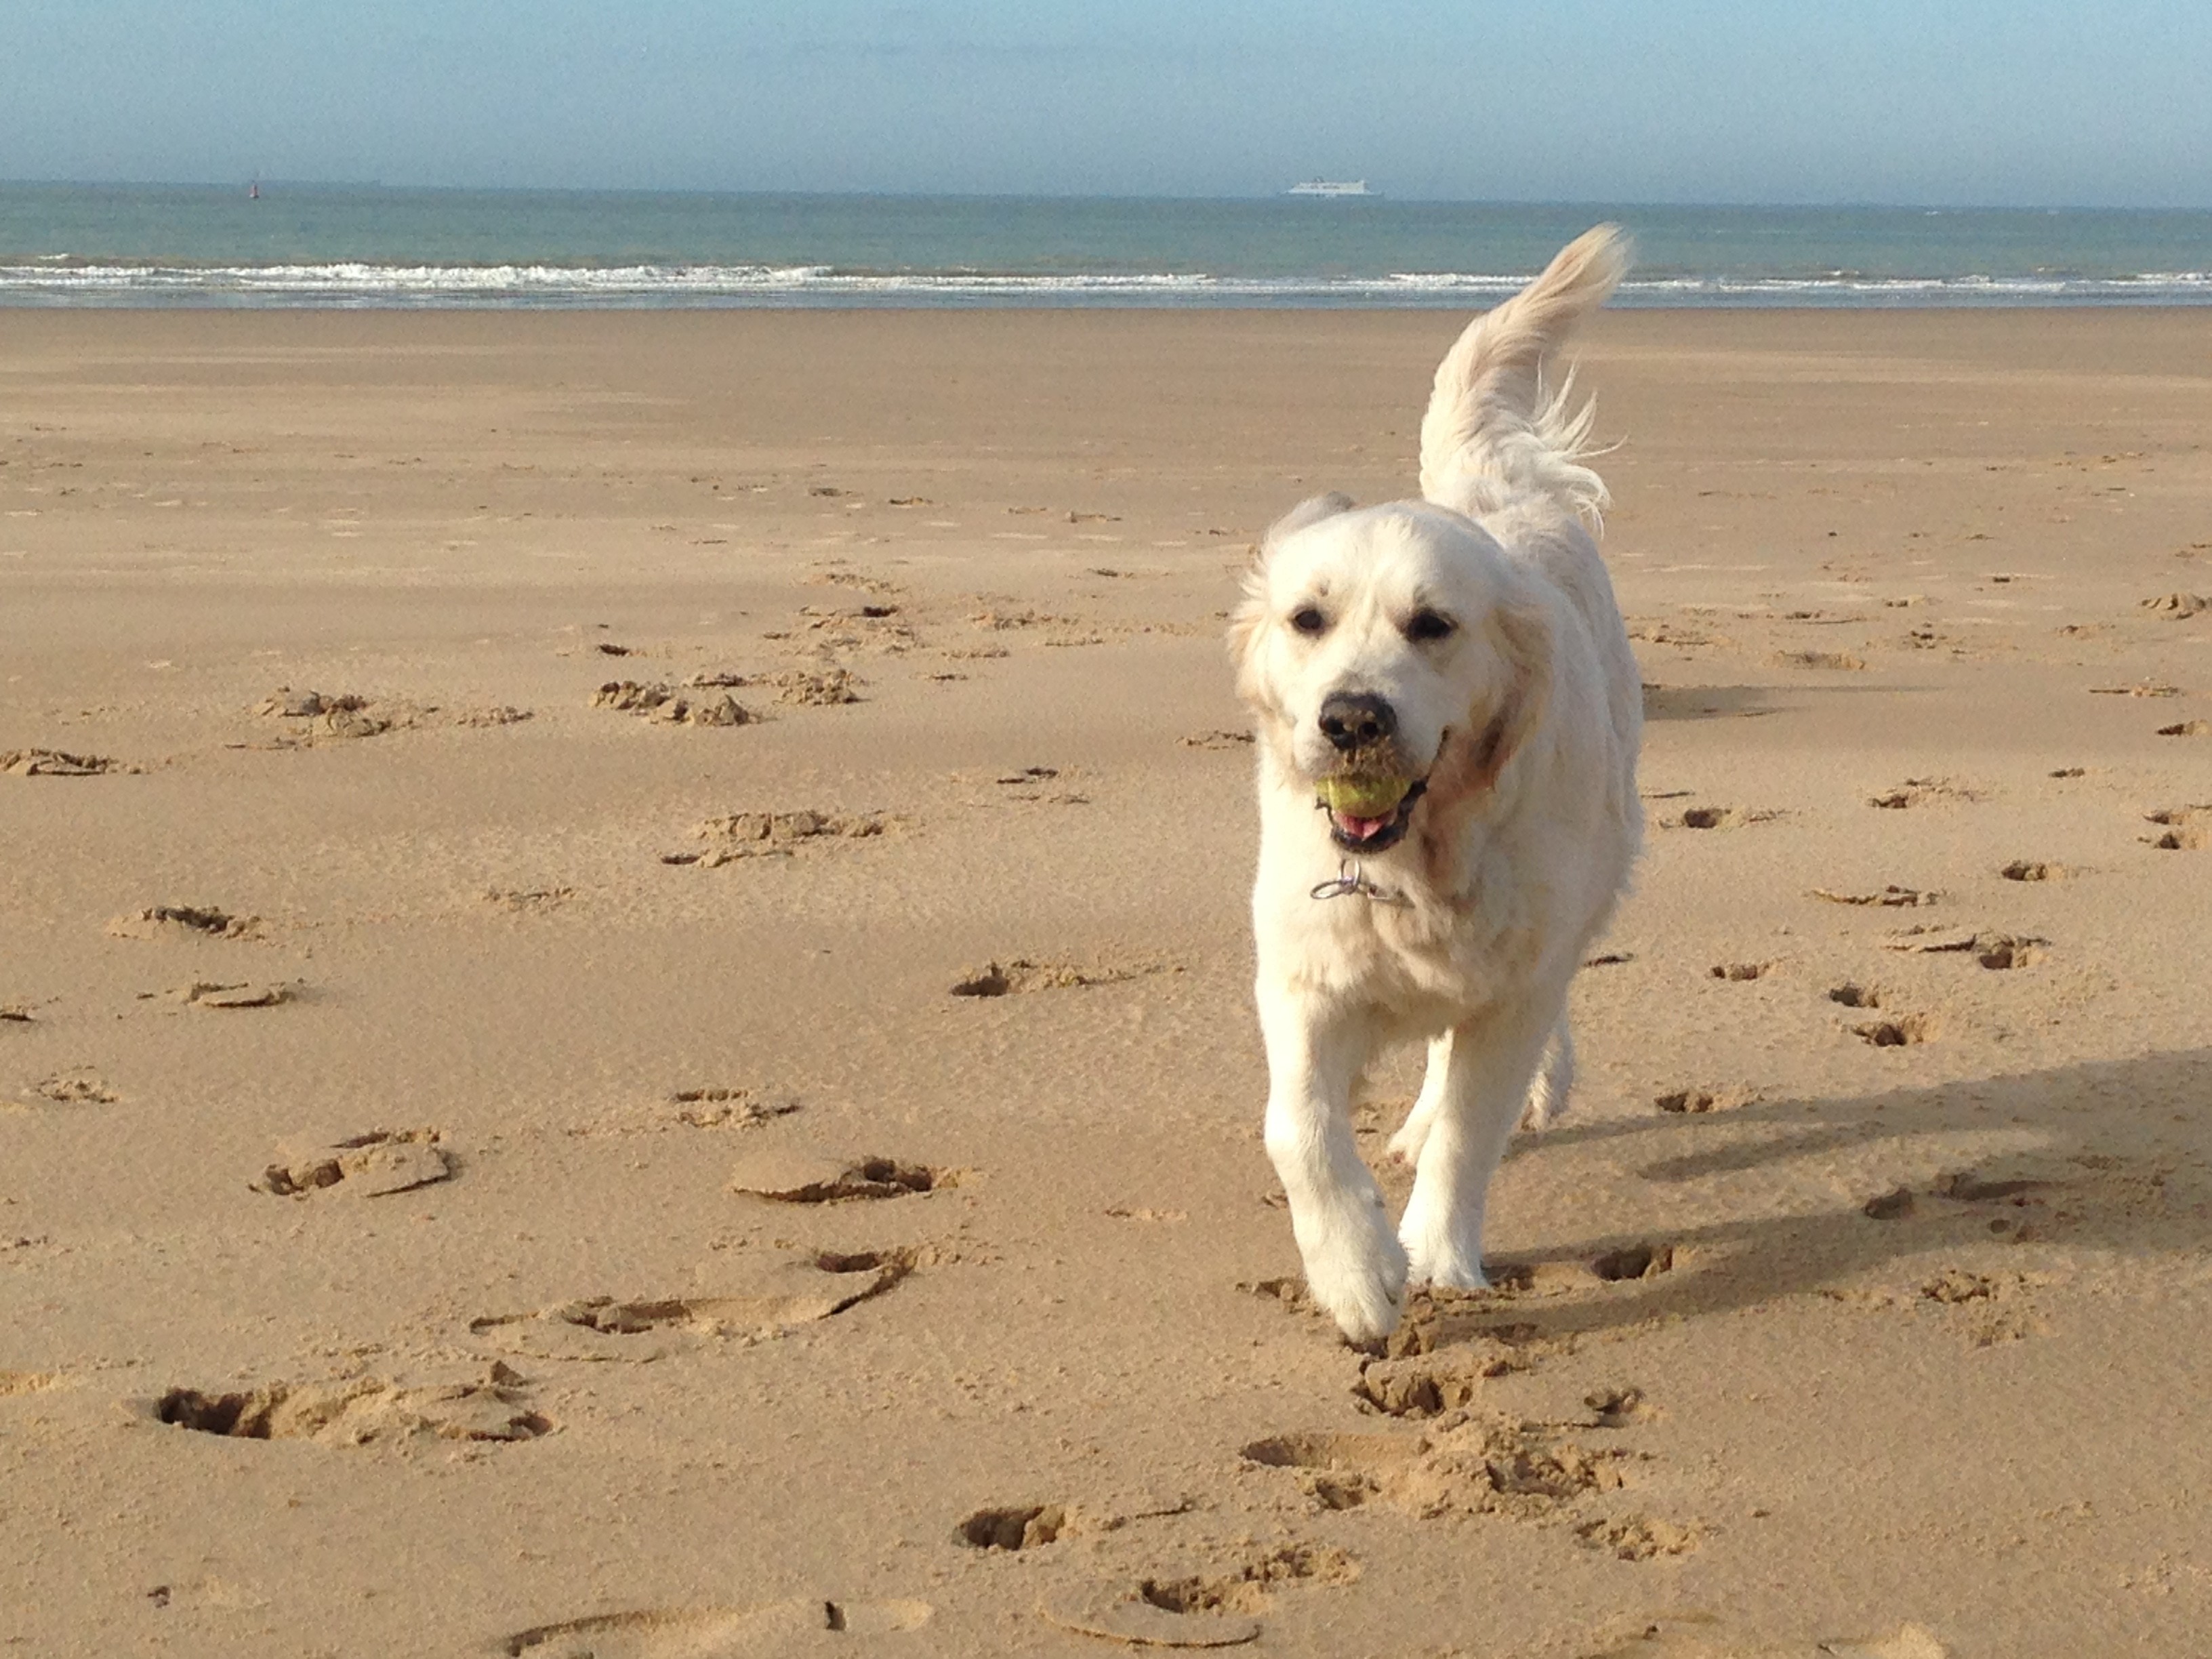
(1332, 187)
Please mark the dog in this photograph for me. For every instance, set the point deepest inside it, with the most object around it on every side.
(1447, 715)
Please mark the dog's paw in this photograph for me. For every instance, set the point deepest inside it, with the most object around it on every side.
(1360, 1282)
(1440, 1256)
(1454, 1275)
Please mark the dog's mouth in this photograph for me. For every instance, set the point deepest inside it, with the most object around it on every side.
(1369, 815)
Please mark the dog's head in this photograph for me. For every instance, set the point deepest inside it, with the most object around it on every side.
(1396, 658)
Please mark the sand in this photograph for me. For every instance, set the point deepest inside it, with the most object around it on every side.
(765, 1159)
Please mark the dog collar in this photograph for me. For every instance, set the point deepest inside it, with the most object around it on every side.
(1349, 881)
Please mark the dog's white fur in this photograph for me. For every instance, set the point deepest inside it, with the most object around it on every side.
(1525, 721)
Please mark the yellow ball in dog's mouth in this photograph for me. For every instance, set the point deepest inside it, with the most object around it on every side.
(1364, 797)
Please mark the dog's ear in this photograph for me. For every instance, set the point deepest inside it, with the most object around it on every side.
(1310, 510)
(1245, 622)
(1497, 724)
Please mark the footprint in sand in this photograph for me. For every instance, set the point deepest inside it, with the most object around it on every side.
(313, 717)
(57, 764)
(795, 1176)
(782, 1296)
(1464, 1327)
(776, 835)
(1830, 659)
(1019, 976)
(1738, 972)
(183, 922)
(1249, 1587)
(1473, 1466)
(1619, 1408)
(1697, 1101)
(2034, 869)
(1987, 1305)
(2002, 951)
(207, 994)
(827, 687)
(1923, 792)
(1927, 939)
(2144, 689)
(664, 703)
(1851, 994)
(877, 627)
(376, 1165)
(763, 1628)
(802, 688)
(1204, 1609)
(2187, 729)
(526, 901)
(2181, 828)
(1971, 1186)
(1632, 1262)
(2178, 606)
(81, 1086)
(1428, 1385)
(358, 1411)
(720, 1107)
(1000, 620)
(1891, 897)
(1639, 1537)
(1967, 1188)
(1716, 817)
(1020, 1527)
(1903, 1031)
(1033, 785)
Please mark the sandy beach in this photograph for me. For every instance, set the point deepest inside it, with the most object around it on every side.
(624, 1023)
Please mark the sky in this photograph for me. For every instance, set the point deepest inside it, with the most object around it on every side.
(1933, 102)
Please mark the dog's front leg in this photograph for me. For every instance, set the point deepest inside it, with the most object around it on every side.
(1355, 1267)
(1487, 1066)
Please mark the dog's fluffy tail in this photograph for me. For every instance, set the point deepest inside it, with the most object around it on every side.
(1494, 430)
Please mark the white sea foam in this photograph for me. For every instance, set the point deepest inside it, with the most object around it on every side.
(57, 280)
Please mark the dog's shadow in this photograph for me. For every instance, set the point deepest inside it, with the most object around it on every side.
(2094, 1163)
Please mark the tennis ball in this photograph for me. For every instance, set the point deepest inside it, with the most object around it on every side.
(1364, 797)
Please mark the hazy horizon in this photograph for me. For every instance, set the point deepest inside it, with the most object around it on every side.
(268, 182)
(1980, 103)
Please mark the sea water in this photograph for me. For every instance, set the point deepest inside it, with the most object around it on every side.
(330, 246)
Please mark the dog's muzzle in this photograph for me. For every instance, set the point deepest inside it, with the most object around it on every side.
(1368, 812)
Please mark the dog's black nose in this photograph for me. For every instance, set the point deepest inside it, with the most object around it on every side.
(1352, 721)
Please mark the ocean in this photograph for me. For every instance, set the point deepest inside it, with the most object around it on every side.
(325, 246)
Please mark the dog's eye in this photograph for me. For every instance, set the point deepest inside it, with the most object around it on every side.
(1307, 620)
(1424, 625)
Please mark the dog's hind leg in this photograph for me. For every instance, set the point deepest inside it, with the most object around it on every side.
(1355, 1268)
(1405, 1145)
(1554, 1082)
(1486, 1086)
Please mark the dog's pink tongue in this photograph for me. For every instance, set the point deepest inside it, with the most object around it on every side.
(1359, 828)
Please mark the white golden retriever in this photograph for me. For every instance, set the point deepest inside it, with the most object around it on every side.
(1447, 714)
